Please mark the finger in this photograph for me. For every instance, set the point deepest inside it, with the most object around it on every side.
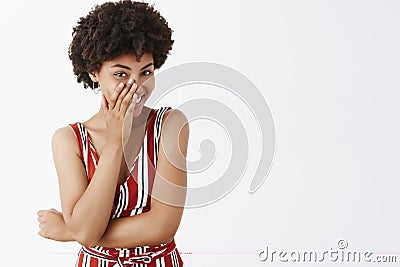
(122, 95)
(104, 103)
(129, 100)
(40, 213)
(55, 211)
(127, 124)
(132, 105)
(115, 95)
(58, 212)
(43, 233)
(128, 119)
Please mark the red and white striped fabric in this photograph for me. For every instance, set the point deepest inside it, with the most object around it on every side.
(130, 200)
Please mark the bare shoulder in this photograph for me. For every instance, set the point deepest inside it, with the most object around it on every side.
(174, 132)
(64, 138)
(174, 118)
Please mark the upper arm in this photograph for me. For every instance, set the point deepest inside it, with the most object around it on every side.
(70, 169)
(169, 190)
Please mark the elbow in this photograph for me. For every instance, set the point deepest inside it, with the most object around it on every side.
(83, 234)
(164, 225)
(87, 239)
(166, 233)
(165, 238)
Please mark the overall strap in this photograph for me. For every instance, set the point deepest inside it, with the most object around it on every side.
(157, 130)
(83, 141)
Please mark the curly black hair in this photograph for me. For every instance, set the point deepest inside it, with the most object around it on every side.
(116, 28)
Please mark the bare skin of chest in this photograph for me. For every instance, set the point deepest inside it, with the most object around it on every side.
(133, 144)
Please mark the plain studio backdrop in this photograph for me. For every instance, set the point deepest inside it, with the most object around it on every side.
(329, 71)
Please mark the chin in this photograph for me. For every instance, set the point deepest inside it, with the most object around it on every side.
(138, 111)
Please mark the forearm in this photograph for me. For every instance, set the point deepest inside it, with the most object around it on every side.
(91, 214)
(65, 236)
(138, 230)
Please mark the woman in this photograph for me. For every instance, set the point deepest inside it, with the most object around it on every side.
(115, 170)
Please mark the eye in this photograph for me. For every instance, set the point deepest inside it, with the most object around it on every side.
(147, 71)
(120, 74)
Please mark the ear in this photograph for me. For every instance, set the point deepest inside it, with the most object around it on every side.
(94, 76)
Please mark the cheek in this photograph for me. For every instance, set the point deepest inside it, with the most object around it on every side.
(148, 90)
(149, 85)
(108, 88)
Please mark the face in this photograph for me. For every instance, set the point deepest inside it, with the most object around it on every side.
(123, 68)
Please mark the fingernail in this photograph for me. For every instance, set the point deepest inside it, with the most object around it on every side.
(130, 81)
(134, 95)
(121, 85)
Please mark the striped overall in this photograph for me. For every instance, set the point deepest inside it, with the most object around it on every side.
(130, 200)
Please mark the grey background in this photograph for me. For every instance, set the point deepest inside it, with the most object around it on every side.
(329, 71)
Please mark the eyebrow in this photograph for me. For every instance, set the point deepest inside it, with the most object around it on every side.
(128, 68)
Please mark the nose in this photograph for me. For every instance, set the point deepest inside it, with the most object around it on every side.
(132, 78)
(135, 80)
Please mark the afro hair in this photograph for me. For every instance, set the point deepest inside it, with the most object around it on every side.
(116, 28)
